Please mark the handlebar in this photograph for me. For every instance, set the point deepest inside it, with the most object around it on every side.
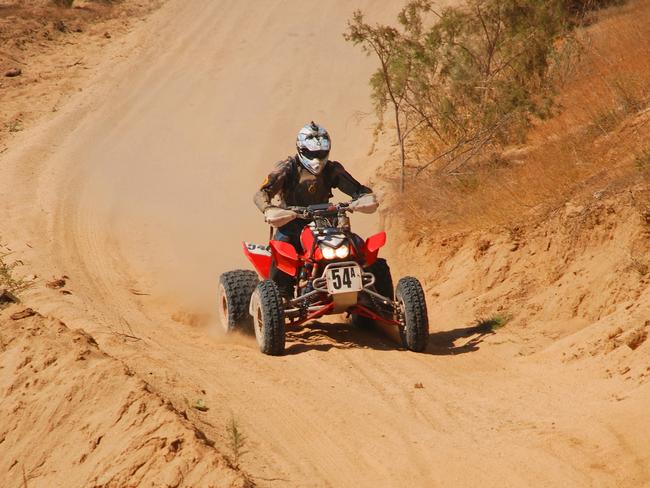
(322, 209)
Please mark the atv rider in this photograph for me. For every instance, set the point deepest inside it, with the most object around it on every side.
(302, 180)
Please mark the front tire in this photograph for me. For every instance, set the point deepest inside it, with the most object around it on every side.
(412, 314)
(268, 318)
(234, 296)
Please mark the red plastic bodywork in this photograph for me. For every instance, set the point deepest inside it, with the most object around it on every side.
(289, 261)
(307, 240)
(372, 246)
(286, 257)
(261, 262)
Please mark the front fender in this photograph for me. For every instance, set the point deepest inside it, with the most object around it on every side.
(260, 257)
(286, 257)
(372, 246)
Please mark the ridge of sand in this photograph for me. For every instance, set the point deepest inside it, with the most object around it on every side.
(75, 416)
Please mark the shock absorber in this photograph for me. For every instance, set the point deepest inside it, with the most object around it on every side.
(343, 221)
(305, 282)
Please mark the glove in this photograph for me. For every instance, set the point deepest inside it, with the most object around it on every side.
(365, 204)
(278, 217)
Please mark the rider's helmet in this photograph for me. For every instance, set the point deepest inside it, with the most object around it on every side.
(313, 144)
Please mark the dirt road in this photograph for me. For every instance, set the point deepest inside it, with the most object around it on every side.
(140, 191)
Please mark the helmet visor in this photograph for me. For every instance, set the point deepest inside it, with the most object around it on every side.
(321, 154)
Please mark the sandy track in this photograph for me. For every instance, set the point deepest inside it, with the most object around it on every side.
(140, 191)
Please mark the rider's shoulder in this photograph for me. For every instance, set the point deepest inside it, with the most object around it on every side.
(334, 167)
(286, 164)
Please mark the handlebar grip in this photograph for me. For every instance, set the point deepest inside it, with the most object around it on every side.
(299, 210)
(308, 211)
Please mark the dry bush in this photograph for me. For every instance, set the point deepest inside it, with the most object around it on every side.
(597, 136)
(465, 77)
(8, 281)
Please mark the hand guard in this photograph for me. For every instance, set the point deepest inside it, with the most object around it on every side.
(278, 217)
(365, 204)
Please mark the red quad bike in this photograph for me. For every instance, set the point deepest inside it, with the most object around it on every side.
(338, 272)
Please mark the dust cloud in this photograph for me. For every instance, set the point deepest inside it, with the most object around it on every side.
(171, 174)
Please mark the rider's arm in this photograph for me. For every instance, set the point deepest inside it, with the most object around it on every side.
(272, 185)
(345, 182)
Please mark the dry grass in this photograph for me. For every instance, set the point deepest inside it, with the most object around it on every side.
(236, 442)
(10, 285)
(491, 323)
(597, 137)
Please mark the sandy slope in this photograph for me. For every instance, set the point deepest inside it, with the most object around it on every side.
(74, 416)
(140, 191)
(56, 50)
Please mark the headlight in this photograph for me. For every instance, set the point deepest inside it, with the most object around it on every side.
(342, 252)
(328, 252)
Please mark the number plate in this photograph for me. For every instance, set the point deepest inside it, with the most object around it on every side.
(344, 279)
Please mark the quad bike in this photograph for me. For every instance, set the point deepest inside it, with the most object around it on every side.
(338, 272)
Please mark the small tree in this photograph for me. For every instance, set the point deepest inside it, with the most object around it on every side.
(473, 77)
(389, 81)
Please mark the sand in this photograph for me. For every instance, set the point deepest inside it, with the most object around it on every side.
(139, 189)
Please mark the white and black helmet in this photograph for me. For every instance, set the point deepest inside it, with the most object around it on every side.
(313, 144)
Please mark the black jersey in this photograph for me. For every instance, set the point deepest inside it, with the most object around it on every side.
(298, 187)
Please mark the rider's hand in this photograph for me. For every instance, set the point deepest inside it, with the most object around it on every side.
(365, 204)
(278, 217)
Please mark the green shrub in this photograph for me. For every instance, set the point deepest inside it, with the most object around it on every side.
(491, 323)
(236, 442)
(472, 79)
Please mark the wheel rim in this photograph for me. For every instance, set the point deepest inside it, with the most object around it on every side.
(223, 309)
(401, 318)
(401, 313)
(258, 320)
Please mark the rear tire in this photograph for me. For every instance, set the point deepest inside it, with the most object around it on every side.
(412, 314)
(235, 290)
(383, 285)
(268, 318)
